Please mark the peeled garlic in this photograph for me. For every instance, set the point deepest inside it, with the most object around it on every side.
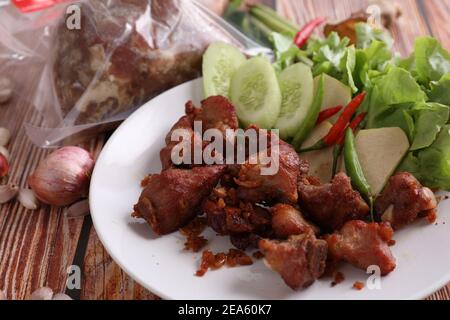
(61, 296)
(7, 193)
(42, 294)
(63, 177)
(6, 89)
(78, 209)
(28, 199)
(5, 135)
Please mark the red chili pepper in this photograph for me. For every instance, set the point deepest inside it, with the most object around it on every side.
(327, 114)
(338, 129)
(303, 35)
(341, 124)
(353, 125)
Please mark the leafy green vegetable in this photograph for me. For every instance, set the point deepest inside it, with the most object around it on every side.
(348, 65)
(328, 53)
(434, 162)
(431, 166)
(397, 116)
(334, 57)
(411, 164)
(432, 61)
(378, 55)
(440, 90)
(397, 86)
(367, 34)
(429, 120)
(370, 63)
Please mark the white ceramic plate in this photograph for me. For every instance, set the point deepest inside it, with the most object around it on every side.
(162, 266)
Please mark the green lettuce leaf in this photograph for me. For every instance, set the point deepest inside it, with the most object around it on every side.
(431, 166)
(397, 86)
(348, 66)
(367, 34)
(434, 161)
(432, 61)
(440, 90)
(429, 120)
(327, 54)
(397, 116)
(411, 164)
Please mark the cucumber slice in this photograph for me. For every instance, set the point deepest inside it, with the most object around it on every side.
(220, 61)
(311, 117)
(335, 94)
(297, 89)
(256, 94)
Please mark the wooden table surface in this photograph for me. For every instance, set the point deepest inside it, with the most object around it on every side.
(37, 247)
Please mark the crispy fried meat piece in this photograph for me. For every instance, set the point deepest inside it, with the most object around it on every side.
(363, 244)
(288, 221)
(243, 241)
(184, 123)
(170, 199)
(227, 215)
(403, 200)
(300, 260)
(216, 112)
(331, 205)
(281, 186)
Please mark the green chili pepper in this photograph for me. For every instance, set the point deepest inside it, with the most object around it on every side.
(337, 150)
(354, 169)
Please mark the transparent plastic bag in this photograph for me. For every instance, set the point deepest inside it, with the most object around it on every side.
(122, 53)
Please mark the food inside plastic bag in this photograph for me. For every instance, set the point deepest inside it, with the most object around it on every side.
(123, 53)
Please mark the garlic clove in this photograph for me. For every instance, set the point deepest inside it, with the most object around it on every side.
(8, 192)
(4, 152)
(2, 296)
(6, 89)
(42, 294)
(28, 199)
(5, 136)
(78, 209)
(61, 296)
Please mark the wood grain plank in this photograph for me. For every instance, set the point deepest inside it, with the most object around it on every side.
(103, 278)
(36, 247)
(438, 16)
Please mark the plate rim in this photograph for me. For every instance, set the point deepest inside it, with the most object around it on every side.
(429, 290)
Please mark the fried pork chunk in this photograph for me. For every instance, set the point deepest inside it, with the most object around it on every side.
(172, 198)
(288, 221)
(331, 205)
(215, 113)
(363, 244)
(404, 199)
(300, 260)
(281, 186)
(227, 215)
